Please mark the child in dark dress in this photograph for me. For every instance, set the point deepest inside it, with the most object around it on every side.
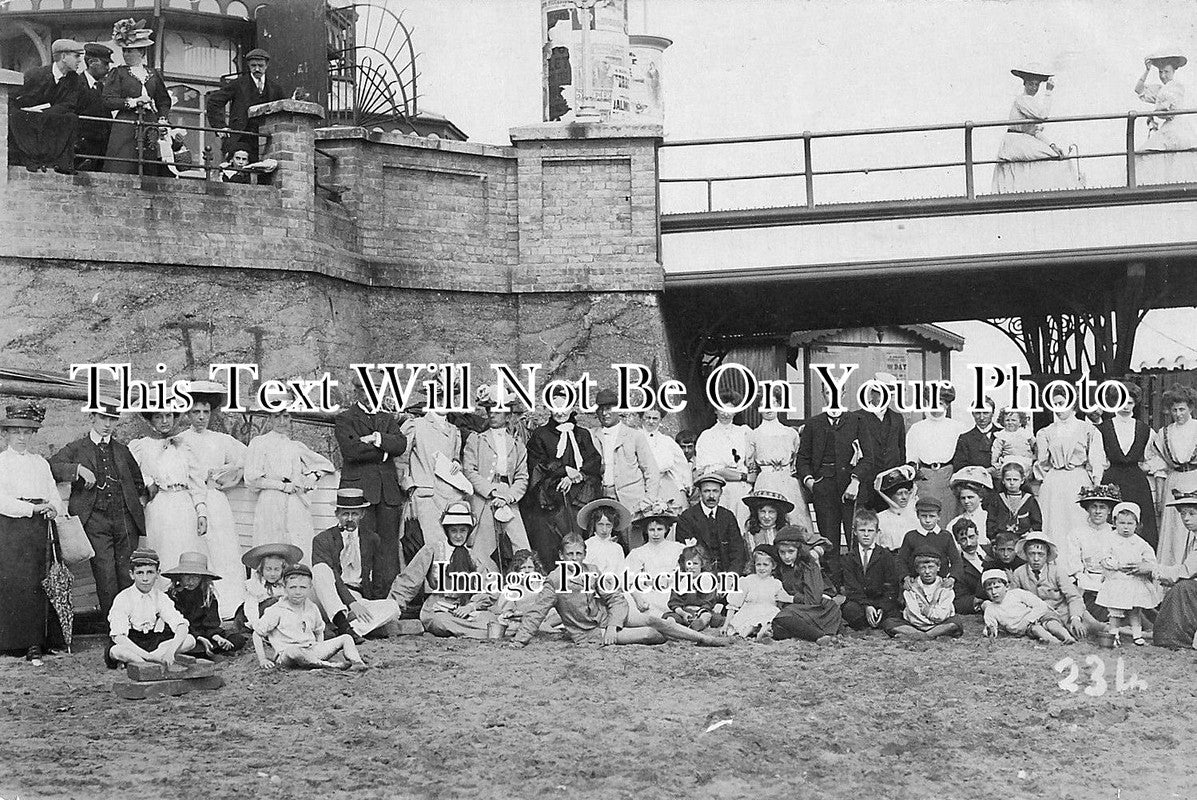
(695, 610)
(191, 590)
(813, 615)
(1015, 510)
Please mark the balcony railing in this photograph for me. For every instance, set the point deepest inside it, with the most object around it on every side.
(808, 173)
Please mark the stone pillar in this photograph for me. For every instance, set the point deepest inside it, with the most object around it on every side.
(9, 79)
(588, 210)
(291, 128)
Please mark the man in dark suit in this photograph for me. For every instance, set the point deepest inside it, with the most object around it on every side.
(245, 91)
(107, 491)
(43, 119)
(974, 448)
(882, 443)
(369, 445)
(713, 526)
(871, 577)
(345, 577)
(93, 136)
(828, 465)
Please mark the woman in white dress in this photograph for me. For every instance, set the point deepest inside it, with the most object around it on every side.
(1071, 457)
(176, 518)
(1029, 160)
(775, 449)
(221, 459)
(671, 462)
(283, 471)
(658, 556)
(1172, 458)
(1166, 133)
(930, 445)
(726, 449)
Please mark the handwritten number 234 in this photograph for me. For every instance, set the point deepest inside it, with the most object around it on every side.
(1097, 676)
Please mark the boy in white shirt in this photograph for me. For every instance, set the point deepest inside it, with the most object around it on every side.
(144, 624)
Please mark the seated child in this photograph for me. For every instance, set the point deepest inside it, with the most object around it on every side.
(192, 593)
(928, 536)
(511, 611)
(813, 616)
(296, 630)
(656, 557)
(751, 608)
(695, 610)
(601, 519)
(870, 577)
(264, 587)
(1015, 509)
(144, 624)
(1019, 612)
(896, 487)
(1128, 587)
(1004, 554)
(969, 593)
(930, 611)
(1042, 577)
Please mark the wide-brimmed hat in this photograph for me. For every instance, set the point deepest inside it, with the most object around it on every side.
(1168, 53)
(664, 517)
(131, 34)
(623, 517)
(709, 476)
(994, 575)
(972, 477)
(891, 480)
(287, 552)
(351, 498)
(191, 564)
(1105, 493)
(1034, 71)
(1020, 547)
(23, 415)
(795, 534)
(457, 514)
(1180, 498)
(1126, 505)
(215, 394)
(764, 497)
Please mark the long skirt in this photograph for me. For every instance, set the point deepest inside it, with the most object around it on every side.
(24, 607)
(170, 527)
(545, 528)
(1165, 167)
(122, 143)
(1058, 501)
(1136, 489)
(807, 621)
(785, 484)
(934, 483)
(283, 518)
(1173, 535)
(224, 554)
(1176, 623)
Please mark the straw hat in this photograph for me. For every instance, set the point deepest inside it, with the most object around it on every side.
(351, 498)
(623, 517)
(23, 415)
(1106, 493)
(1180, 498)
(457, 514)
(1020, 547)
(972, 477)
(191, 564)
(1168, 53)
(1034, 71)
(762, 497)
(287, 552)
(891, 480)
(211, 392)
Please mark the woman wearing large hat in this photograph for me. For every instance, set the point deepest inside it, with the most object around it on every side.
(221, 461)
(656, 557)
(1028, 159)
(973, 486)
(29, 501)
(135, 91)
(1166, 133)
(768, 512)
(774, 452)
(1176, 622)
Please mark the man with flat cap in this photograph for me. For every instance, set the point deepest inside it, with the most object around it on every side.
(43, 114)
(245, 91)
(93, 135)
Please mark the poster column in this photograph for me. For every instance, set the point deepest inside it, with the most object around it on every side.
(585, 58)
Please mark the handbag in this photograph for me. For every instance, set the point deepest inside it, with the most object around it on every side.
(72, 540)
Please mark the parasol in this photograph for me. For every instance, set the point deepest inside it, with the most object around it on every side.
(57, 584)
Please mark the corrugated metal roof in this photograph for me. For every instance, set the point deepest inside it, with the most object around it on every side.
(1185, 361)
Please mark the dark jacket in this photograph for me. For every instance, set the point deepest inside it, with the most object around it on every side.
(93, 136)
(39, 88)
(120, 85)
(820, 444)
(242, 93)
(545, 470)
(203, 618)
(941, 542)
(974, 449)
(64, 465)
(721, 538)
(883, 446)
(878, 585)
(968, 585)
(326, 549)
(366, 467)
(999, 517)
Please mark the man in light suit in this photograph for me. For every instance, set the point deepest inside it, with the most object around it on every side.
(433, 441)
(497, 465)
(630, 473)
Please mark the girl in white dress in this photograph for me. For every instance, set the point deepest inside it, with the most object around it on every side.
(1129, 565)
(602, 519)
(674, 469)
(657, 556)
(774, 451)
(176, 518)
(1071, 457)
(1172, 458)
(221, 460)
(753, 607)
(283, 471)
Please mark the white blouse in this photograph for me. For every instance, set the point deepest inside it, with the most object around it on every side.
(26, 475)
(932, 440)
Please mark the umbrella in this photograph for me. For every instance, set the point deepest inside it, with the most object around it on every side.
(57, 584)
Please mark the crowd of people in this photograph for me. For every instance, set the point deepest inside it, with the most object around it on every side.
(81, 113)
(1083, 527)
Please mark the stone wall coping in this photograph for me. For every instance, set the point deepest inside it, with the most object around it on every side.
(10, 77)
(396, 139)
(559, 131)
(289, 106)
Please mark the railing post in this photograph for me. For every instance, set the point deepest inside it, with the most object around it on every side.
(1131, 179)
(139, 132)
(710, 205)
(970, 189)
(809, 169)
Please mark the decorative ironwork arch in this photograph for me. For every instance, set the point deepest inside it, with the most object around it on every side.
(378, 68)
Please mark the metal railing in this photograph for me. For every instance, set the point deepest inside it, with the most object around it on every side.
(143, 125)
(969, 162)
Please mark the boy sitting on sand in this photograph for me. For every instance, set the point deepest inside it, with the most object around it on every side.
(296, 630)
(929, 611)
(1019, 612)
(144, 624)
